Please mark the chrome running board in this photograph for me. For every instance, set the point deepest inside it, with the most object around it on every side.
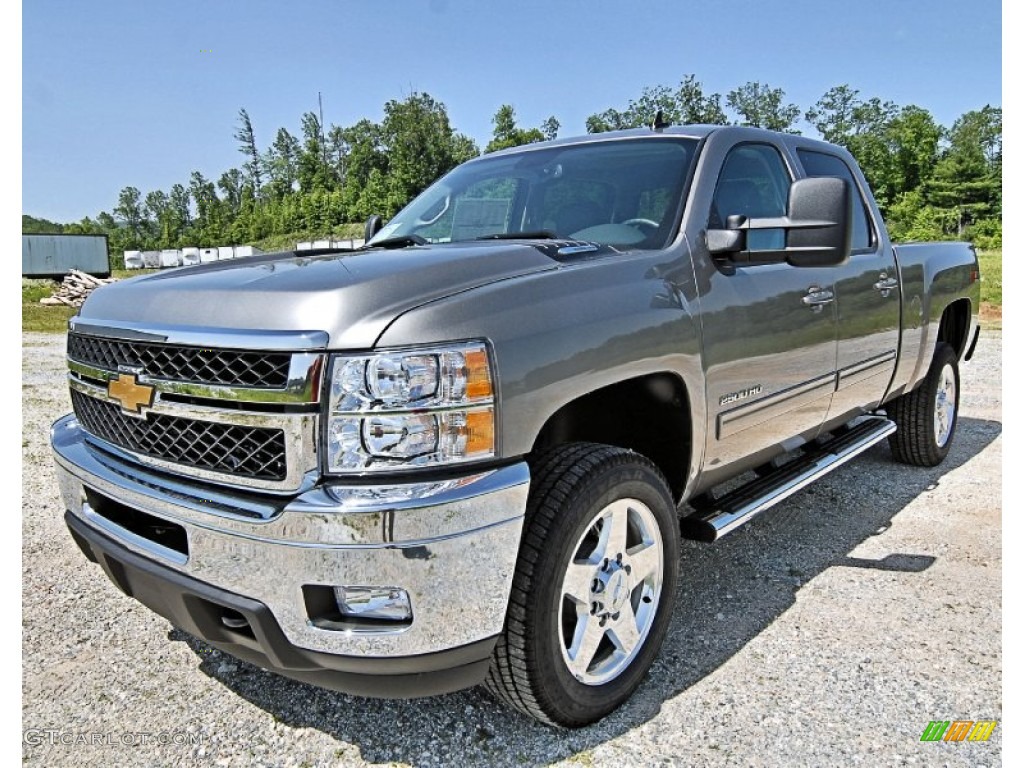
(715, 517)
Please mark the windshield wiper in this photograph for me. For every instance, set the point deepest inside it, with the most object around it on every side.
(400, 241)
(540, 234)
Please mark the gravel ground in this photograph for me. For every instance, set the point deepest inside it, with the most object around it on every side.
(829, 631)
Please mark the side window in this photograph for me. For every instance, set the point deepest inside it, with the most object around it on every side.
(754, 183)
(820, 164)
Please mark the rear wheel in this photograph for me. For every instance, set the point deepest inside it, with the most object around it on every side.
(926, 417)
(594, 585)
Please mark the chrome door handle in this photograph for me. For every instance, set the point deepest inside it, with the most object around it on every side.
(886, 284)
(817, 298)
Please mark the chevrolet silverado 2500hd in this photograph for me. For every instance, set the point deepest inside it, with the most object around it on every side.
(459, 454)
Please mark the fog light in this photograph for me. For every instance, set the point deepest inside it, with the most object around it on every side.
(388, 603)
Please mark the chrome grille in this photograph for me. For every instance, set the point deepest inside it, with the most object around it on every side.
(198, 365)
(244, 451)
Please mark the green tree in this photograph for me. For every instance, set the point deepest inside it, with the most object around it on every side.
(231, 183)
(686, 104)
(762, 106)
(366, 154)
(968, 177)
(246, 138)
(862, 127)
(155, 220)
(914, 143)
(550, 128)
(508, 134)
(420, 146)
(129, 212)
(31, 225)
(312, 169)
(281, 162)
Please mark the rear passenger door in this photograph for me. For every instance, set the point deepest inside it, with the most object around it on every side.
(867, 300)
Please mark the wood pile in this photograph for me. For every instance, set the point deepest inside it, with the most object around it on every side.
(75, 289)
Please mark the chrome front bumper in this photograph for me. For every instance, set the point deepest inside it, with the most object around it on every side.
(451, 544)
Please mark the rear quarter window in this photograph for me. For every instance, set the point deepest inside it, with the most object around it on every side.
(821, 164)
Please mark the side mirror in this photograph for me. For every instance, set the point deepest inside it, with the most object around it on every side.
(817, 226)
(374, 224)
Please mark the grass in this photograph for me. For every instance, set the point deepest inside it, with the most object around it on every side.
(991, 288)
(992, 277)
(35, 316)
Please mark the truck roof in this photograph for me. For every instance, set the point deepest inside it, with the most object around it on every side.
(685, 131)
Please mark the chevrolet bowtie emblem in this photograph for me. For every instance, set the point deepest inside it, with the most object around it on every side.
(131, 394)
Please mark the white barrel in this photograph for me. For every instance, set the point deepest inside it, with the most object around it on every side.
(189, 256)
(133, 259)
(207, 255)
(170, 258)
(151, 259)
(225, 252)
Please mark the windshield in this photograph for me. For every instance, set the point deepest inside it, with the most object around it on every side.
(623, 193)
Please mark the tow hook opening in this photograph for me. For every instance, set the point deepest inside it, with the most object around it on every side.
(236, 622)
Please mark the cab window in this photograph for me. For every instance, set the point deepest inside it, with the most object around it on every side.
(821, 164)
(753, 183)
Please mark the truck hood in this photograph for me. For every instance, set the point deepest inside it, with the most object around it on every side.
(352, 296)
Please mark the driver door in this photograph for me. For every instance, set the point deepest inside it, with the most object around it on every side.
(769, 330)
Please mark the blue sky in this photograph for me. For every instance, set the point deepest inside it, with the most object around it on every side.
(141, 93)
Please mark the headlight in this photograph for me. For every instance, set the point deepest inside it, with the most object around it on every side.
(410, 408)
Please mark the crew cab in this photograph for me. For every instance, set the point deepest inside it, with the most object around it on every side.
(466, 452)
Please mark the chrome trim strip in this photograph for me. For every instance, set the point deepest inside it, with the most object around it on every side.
(866, 369)
(195, 336)
(300, 437)
(139, 542)
(759, 411)
(303, 383)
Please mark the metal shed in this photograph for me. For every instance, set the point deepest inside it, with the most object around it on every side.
(55, 255)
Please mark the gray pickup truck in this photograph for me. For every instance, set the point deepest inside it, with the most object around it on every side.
(466, 452)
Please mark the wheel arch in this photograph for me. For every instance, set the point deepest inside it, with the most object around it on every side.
(648, 414)
(955, 326)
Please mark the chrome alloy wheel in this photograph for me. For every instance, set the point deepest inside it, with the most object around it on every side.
(945, 405)
(610, 591)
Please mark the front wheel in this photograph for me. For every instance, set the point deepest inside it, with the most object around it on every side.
(594, 585)
(926, 417)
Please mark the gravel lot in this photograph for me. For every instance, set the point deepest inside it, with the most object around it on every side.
(830, 631)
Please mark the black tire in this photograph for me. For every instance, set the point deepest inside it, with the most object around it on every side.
(921, 438)
(572, 487)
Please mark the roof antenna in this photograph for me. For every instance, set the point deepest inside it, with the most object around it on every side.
(659, 123)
